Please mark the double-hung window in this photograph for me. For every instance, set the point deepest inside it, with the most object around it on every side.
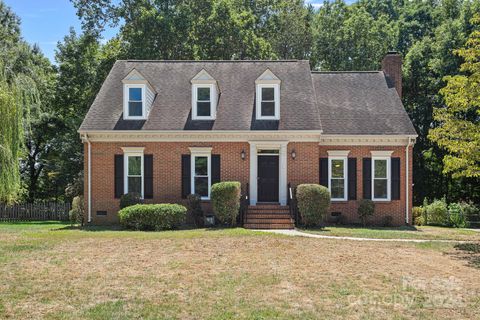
(201, 176)
(204, 102)
(133, 166)
(134, 101)
(268, 101)
(337, 174)
(338, 178)
(381, 178)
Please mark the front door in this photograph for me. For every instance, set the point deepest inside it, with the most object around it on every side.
(267, 178)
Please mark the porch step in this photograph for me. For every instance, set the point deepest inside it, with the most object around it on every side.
(268, 226)
(268, 216)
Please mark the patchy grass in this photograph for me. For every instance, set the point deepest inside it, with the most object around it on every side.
(52, 271)
(417, 232)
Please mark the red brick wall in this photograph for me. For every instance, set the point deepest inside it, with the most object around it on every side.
(394, 208)
(167, 173)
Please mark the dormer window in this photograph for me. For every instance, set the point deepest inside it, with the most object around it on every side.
(267, 97)
(203, 102)
(135, 101)
(204, 96)
(138, 96)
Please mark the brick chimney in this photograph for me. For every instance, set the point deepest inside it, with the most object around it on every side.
(392, 67)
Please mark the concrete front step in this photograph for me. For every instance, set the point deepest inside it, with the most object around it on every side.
(269, 226)
(268, 206)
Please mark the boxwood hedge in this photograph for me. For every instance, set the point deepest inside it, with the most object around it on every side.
(152, 216)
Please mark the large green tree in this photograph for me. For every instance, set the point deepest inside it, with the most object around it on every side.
(458, 131)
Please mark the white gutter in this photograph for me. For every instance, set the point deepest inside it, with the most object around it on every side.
(89, 169)
(407, 180)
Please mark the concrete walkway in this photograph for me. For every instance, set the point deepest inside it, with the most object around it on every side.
(291, 232)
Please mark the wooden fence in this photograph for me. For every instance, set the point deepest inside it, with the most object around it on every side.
(35, 211)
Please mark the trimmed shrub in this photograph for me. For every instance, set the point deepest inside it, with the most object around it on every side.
(77, 212)
(195, 209)
(129, 199)
(418, 216)
(152, 216)
(456, 216)
(313, 201)
(437, 212)
(469, 208)
(365, 210)
(225, 197)
(387, 221)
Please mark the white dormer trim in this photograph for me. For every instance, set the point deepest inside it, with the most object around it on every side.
(204, 80)
(267, 80)
(268, 77)
(135, 79)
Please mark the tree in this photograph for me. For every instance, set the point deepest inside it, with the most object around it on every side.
(349, 38)
(459, 120)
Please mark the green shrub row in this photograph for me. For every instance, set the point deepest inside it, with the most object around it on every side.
(152, 216)
(438, 212)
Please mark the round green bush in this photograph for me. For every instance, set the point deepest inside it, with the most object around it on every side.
(129, 199)
(225, 197)
(313, 201)
(152, 216)
(437, 213)
(365, 209)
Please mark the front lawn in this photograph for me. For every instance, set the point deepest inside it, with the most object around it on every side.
(416, 232)
(52, 271)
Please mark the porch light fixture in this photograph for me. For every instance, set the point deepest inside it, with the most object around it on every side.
(294, 155)
(242, 154)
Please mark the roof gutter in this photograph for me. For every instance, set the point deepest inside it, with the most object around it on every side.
(407, 180)
(89, 179)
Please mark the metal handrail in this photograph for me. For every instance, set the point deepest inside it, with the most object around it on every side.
(292, 204)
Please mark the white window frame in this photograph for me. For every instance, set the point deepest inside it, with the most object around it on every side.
(132, 152)
(388, 178)
(276, 96)
(213, 101)
(345, 180)
(126, 99)
(338, 155)
(197, 153)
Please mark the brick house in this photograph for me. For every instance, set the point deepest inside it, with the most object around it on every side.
(166, 129)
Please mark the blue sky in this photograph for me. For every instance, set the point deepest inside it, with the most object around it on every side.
(46, 22)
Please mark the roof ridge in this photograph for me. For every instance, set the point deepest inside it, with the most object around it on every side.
(368, 71)
(223, 61)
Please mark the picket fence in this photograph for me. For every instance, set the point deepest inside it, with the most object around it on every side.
(40, 211)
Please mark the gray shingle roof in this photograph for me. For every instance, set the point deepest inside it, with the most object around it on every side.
(338, 103)
(235, 111)
(360, 103)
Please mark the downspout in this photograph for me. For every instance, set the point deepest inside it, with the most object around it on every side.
(89, 183)
(407, 180)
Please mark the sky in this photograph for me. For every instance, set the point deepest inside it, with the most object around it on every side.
(45, 22)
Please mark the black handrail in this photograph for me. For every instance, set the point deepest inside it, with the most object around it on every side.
(292, 204)
(244, 201)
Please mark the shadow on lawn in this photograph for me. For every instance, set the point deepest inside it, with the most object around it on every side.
(469, 252)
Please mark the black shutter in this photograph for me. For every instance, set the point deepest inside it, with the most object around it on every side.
(215, 168)
(352, 178)
(186, 190)
(395, 178)
(148, 176)
(118, 175)
(324, 172)
(367, 178)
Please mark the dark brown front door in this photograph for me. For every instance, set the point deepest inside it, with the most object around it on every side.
(267, 178)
